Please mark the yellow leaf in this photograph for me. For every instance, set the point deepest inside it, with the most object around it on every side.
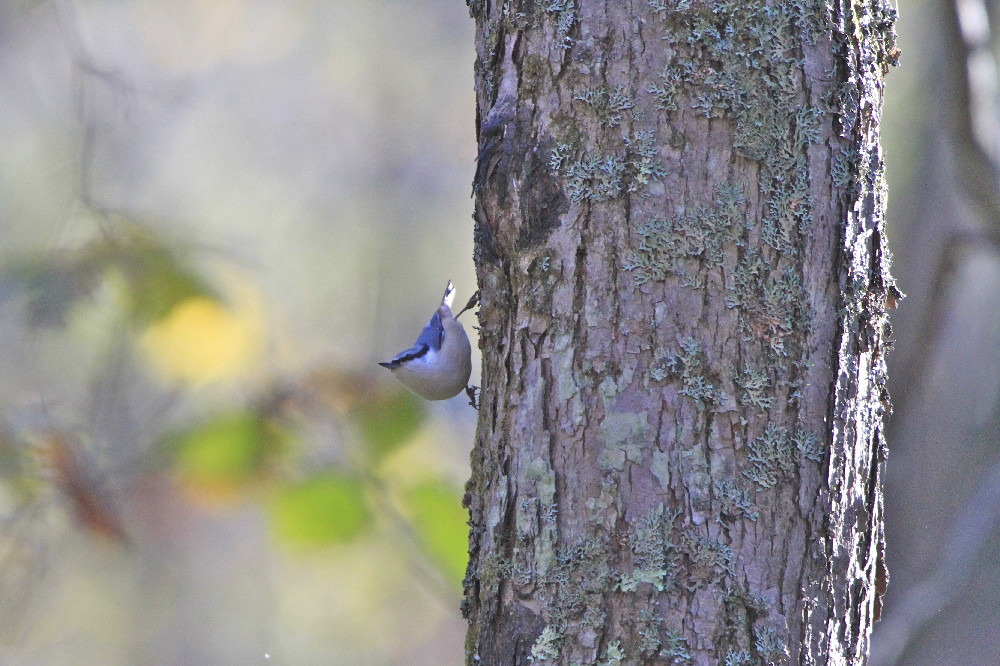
(201, 341)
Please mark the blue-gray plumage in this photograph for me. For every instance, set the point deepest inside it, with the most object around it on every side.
(430, 338)
(439, 363)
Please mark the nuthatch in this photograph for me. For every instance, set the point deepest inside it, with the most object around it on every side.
(438, 365)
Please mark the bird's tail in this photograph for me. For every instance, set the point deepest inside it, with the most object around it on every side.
(449, 295)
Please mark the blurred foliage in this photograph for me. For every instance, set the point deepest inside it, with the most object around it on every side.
(388, 420)
(184, 330)
(204, 207)
(201, 340)
(155, 276)
(329, 508)
(15, 469)
(440, 520)
(229, 452)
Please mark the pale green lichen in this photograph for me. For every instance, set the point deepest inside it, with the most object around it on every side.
(809, 445)
(649, 554)
(547, 645)
(595, 178)
(709, 561)
(607, 104)
(648, 631)
(675, 647)
(494, 569)
(559, 156)
(702, 391)
(689, 365)
(629, 582)
(565, 11)
(755, 78)
(769, 644)
(776, 454)
(603, 176)
(740, 658)
(703, 235)
(845, 166)
(582, 576)
(523, 573)
(734, 502)
(744, 64)
(614, 655)
(664, 92)
(770, 457)
(644, 159)
(646, 541)
(757, 388)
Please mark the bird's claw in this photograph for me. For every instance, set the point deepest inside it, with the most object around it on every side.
(473, 302)
(471, 391)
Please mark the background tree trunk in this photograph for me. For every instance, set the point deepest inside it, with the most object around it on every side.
(680, 250)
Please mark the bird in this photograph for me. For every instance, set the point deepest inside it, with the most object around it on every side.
(439, 363)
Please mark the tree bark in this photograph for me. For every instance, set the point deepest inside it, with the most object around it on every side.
(682, 265)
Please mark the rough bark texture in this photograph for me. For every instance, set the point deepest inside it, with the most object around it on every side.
(680, 250)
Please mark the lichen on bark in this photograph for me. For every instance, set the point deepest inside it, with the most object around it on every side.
(680, 250)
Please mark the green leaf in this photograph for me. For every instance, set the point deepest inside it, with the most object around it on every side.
(326, 509)
(231, 448)
(440, 520)
(388, 421)
(155, 272)
(18, 469)
(156, 275)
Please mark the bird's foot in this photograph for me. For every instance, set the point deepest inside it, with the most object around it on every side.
(472, 392)
(473, 302)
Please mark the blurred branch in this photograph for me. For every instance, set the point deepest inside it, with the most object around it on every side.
(85, 70)
(914, 374)
(24, 562)
(975, 110)
(973, 115)
(92, 83)
(429, 575)
(926, 599)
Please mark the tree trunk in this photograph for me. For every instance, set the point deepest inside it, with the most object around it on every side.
(679, 243)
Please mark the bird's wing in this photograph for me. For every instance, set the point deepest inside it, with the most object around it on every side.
(404, 356)
(433, 334)
(430, 338)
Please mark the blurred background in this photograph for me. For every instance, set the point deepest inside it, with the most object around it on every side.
(215, 217)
